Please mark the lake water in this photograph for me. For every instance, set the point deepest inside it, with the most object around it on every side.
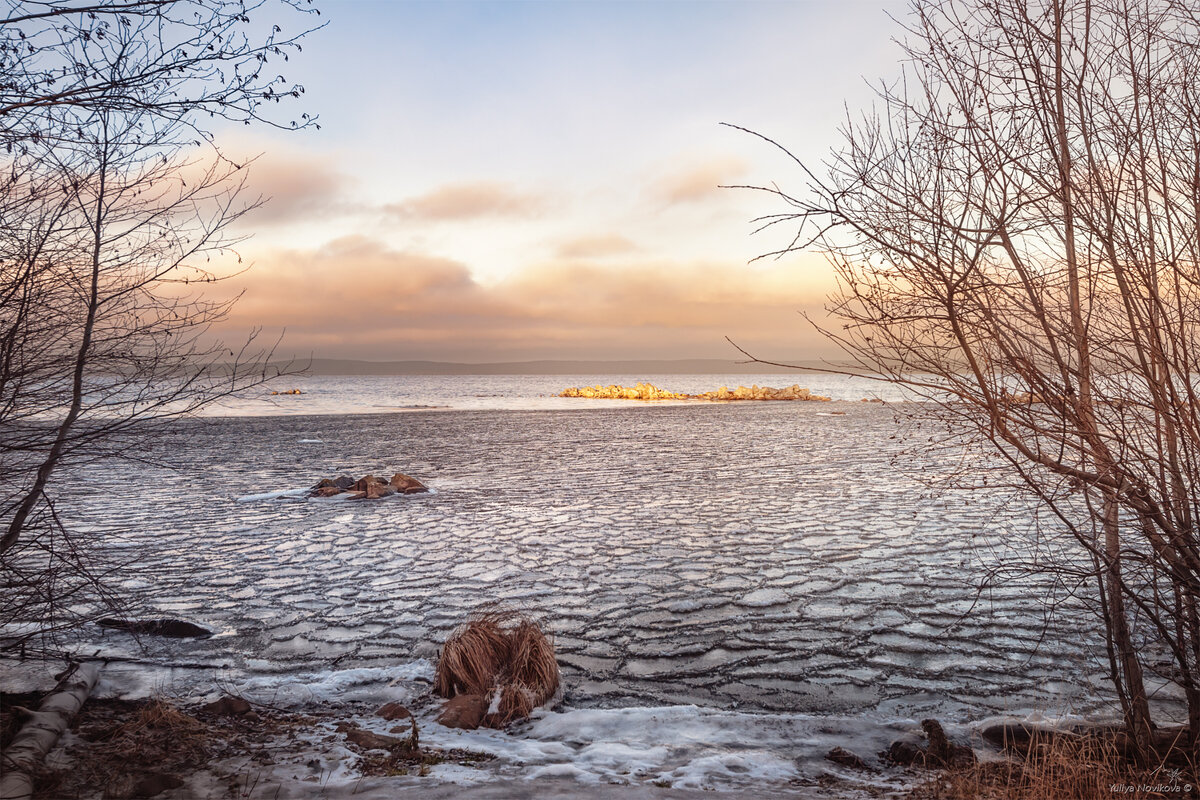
(732, 588)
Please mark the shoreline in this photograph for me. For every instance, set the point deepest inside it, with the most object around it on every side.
(288, 748)
(576, 404)
(192, 749)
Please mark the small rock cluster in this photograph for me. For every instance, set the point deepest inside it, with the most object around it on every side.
(368, 487)
(939, 751)
(648, 391)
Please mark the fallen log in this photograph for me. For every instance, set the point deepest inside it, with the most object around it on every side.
(41, 730)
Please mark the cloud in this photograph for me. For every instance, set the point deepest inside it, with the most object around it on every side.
(701, 181)
(297, 185)
(464, 201)
(295, 192)
(584, 247)
(356, 298)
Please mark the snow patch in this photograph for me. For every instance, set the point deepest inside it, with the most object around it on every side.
(278, 495)
(374, 684)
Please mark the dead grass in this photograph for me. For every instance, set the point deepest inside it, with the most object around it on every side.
(472, 657)
(499, 651)
(1090, 766)
(127, 749)
(129, 743)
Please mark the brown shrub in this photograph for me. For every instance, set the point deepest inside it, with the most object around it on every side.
(499, 651)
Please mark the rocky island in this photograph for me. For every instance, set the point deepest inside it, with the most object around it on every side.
(368, 487)
(648, 391)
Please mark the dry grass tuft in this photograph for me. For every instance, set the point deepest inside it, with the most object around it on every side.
(499, 651)
(132, 739)
(160, 716)
(473, 656)
(1084, 767)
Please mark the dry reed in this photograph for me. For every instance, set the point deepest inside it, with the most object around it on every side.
(501, 652)
(1056, 766)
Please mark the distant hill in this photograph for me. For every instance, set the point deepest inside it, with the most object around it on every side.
(689, 366)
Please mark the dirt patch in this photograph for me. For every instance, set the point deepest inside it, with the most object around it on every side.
(121, 749)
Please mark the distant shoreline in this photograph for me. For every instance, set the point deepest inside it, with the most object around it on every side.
(690, 366)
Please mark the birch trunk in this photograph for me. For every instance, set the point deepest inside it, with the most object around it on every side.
(40, 732)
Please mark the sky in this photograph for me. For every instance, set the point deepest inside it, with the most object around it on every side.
(504, 181)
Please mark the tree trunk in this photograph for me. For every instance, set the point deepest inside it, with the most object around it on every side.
(1137, 710)
(40, 732)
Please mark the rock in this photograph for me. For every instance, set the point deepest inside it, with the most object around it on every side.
(847, 759)
(369, 740)
(391, 711)
(369, 487)
(1015, 735)
(174, 628)
(155, 783)
(363, 483)
(648, 391)
(904, 754)
(378, 490)
(941, 750)
(227, 706)
(464, 711)
(407, 484)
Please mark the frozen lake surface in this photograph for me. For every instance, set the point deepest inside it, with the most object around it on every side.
(744, 584)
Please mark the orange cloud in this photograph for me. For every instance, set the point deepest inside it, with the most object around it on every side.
(294, 190)
(595, 247)
(356, 298)
(462, 201)
(700, 182)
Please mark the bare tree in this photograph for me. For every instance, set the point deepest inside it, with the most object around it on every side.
(115, 209)
(1016, 231)
(192, 59)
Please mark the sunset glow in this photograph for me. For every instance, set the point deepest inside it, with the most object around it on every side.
(505, 181)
